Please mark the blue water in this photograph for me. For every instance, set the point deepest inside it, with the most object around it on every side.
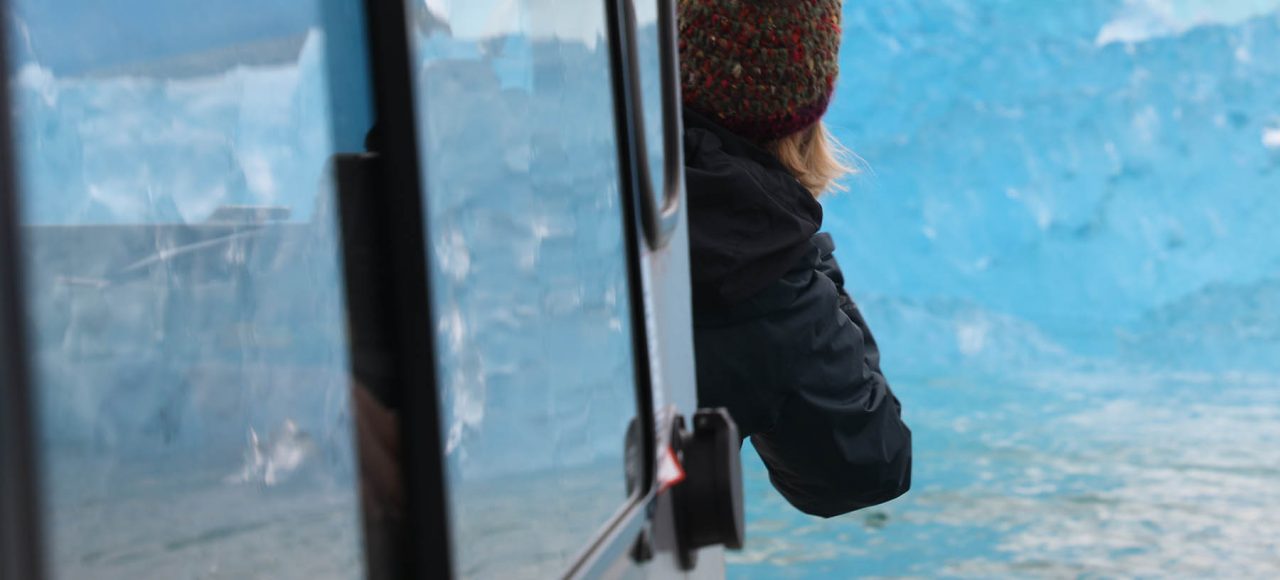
(1065, 240)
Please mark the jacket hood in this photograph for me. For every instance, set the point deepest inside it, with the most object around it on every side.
(750, 221)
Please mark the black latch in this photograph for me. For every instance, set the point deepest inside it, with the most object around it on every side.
(708, 503)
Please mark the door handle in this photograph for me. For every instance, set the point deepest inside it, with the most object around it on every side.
(659, 219)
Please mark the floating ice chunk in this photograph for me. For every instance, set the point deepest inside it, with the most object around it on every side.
(286, 453)
(272, 462)
(254, 461)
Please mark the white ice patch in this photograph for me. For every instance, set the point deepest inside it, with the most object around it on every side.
(971, 336)
(1271, 138)
(480, 19)
(1143, 20)
(470, 395)
(438, 8)
(38, 80)
(1146, 123)
(453, 255)
(453, 327)
(273, 461)
(259, 176)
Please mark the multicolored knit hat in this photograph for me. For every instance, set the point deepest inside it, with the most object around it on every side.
(763, 69)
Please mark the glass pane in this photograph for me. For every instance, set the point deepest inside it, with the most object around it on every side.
(529, 274)
(185, 291)
(649, 41)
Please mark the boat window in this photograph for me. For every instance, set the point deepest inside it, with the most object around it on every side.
(190, 366)
(527, 238)
(649, 56)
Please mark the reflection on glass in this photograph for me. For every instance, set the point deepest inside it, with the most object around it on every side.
(189, 350)
(648, 41)
(529, 275)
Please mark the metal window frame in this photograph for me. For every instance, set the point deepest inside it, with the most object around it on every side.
(659, 217)
(620, 533)
(426, 551)
(21, 548)
(646, 221)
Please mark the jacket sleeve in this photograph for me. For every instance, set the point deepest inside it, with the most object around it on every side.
(836, 441)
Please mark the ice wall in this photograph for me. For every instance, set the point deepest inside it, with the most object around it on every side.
(190, 361)
(155, 330)
(1093, 172)
(78, 37)
(1044, 183)
(1066, 242)
(158, 331)
(146, 149)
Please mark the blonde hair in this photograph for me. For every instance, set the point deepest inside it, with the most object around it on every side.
(815, 158)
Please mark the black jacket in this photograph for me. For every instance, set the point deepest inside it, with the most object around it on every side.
(779, 342)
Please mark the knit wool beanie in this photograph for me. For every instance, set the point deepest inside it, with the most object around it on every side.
(763, 69)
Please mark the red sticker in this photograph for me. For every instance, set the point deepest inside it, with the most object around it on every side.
(669, 471)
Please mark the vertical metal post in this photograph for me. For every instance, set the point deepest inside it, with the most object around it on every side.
(400, 196)
(20, 530)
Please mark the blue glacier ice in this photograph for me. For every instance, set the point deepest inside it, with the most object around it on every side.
(1024, 161)
(1064, 235)
(190, 145)
(190, 366)
(1066, 239)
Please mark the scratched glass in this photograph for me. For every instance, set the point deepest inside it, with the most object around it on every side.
(529, 270)
(184, 286)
